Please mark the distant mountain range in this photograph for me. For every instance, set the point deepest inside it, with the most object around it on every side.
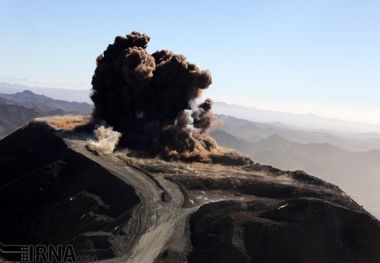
(255, 131)
(18, 108)
(304, 121)
(357, 172)
(60, 94)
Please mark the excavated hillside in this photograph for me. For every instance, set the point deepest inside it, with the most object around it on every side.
(119, 208)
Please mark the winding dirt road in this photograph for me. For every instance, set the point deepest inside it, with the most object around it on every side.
(158, 223)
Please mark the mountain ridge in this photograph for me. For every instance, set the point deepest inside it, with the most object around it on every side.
(356, 172)
(16, 109)
(309, 121)
(30, 99)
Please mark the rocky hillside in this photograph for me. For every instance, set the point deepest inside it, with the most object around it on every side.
(53, 190)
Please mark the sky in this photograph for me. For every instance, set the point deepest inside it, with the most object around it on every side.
(315, 56)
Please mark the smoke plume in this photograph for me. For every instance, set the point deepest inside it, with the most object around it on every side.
(106, 140)
(149, 98)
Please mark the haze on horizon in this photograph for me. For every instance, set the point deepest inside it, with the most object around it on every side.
(314, 57)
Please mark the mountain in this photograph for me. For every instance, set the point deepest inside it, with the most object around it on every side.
(128, 209)
(17, 109)
(78, 95)
(254, 131)
(358, 173)
(304, 121)
(44, 103)
(13, 115)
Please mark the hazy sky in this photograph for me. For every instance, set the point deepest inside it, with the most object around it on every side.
(314, 55)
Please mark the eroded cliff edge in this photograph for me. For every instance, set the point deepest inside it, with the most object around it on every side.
(125, 209)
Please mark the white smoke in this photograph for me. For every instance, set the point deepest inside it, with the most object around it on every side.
(106, 140)
(185, 121)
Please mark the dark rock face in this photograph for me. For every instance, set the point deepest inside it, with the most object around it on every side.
(296, 230)
(280, 217)
(50, 194)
